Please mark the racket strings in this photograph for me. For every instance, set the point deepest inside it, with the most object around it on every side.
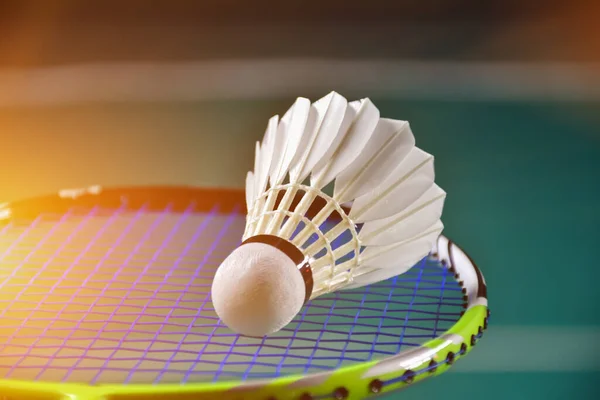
(123, 296)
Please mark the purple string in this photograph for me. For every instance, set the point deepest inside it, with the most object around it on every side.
(136, 249)
(187, 342)
(212, 248)
(65, 273)
(186, 250)
(80, 226)
(108, 253)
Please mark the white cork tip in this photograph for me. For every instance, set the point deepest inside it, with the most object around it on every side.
(257, 290)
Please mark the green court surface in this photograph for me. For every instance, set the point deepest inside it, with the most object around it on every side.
(523, 184)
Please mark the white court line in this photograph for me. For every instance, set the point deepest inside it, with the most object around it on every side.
(268, 78)
(534, 349)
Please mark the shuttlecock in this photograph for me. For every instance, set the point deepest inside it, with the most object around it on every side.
(288, 255)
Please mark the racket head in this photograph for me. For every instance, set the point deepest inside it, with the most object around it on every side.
(105, 293)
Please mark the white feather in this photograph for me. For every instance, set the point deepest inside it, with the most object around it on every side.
(404, 186)
(250, 195)
(257, 156)
(266, 155)
(391, 142)
(291, 131)
(351, 144)
(422, 214)
(384, 262)
(278, 148)
(349, 115)
(325, 121)
(376, 168)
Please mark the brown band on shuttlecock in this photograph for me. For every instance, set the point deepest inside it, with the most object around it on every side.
(293, 252)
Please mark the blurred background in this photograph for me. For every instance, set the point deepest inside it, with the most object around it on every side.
(505, 94)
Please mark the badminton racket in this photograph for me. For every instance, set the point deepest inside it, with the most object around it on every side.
(105, 294)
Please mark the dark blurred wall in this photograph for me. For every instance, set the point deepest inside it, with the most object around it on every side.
(65, 31)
